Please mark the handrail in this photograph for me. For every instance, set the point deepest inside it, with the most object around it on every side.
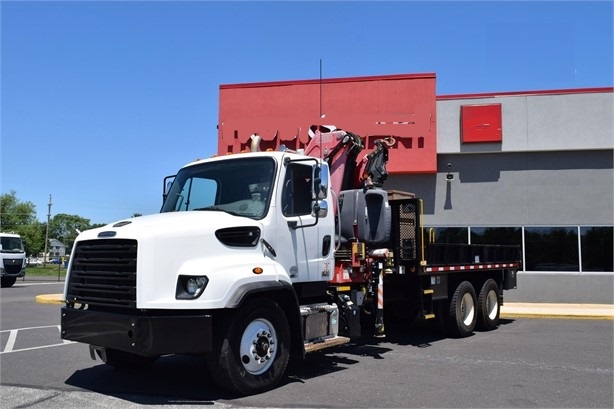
(338, 241)
(431, 235)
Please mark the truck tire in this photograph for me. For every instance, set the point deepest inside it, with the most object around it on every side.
(488, 306)
(462, 312)
(251, 351)
(8, 281)
(125, 360)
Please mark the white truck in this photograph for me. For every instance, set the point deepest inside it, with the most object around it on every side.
(13, 258)
(256, 257)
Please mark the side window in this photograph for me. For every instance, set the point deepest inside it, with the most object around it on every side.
(197, 193)
(202, 193)
(296, 196)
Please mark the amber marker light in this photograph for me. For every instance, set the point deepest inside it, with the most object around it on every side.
(257, 270)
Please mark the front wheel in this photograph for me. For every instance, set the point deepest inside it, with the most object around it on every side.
(462, 314)
(251, 351)
(8, 281)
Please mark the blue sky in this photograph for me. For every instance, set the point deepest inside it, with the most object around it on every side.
(101, 100)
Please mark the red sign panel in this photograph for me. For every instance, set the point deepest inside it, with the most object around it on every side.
(481, 123)
(398, 106)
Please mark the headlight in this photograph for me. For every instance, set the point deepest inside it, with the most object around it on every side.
(190, 287)
(195, 285)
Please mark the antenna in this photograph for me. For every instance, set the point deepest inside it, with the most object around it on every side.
(320, 133)
(320, 88)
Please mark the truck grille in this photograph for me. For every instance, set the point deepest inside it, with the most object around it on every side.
(103, 273)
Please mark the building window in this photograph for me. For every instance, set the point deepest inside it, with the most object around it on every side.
(551, 249)
(496, 235)
(596, 247)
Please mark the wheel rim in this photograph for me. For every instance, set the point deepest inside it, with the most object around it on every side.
(258, 346)
(467, 309)
(492, 304)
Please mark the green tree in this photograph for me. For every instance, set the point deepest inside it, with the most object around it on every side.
(65, 228)
(14, 214)
(34, 238)
(20, 217)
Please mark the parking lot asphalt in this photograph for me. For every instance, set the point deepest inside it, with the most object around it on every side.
(508, 310)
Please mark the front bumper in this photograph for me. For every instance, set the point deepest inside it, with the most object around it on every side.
(5, 273)
(165, 333)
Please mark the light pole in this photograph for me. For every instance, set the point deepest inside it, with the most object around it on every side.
(47, 232)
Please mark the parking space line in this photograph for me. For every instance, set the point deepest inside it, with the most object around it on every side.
(10, 344)
(33, 348)
(27, 328)
(31, 283)
(11, 341)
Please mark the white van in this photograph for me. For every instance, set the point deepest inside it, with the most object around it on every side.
(13, 258)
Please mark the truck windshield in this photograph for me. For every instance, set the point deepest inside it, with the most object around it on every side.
(11, 245)
(241, 187)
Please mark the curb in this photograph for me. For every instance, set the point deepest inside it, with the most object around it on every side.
(555, 316)
(554, 310)
(57, 299)
(574, 316)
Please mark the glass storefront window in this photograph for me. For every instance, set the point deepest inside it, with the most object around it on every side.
(596, 247)
(496, 235)
(546, 248)
(551, 249)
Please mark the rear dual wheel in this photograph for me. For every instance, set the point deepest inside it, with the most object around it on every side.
(462, 311)
(488, 306)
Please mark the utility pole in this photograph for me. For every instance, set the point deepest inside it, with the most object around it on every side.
(47, 232)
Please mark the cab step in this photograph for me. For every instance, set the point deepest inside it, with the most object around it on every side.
(325, 343)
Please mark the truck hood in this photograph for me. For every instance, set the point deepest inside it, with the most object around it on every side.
(177, 244)
(172, 224)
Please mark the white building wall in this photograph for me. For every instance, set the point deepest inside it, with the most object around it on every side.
(554, 167)
(535, 123)
(517, 189)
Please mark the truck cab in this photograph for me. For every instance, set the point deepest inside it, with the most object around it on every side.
(235, 266)
(13, 258)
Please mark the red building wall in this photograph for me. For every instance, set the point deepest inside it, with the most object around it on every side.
(402, 106)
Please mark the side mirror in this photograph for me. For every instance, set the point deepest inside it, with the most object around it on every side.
(319, 181)
(319, 208)
(168, 181)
